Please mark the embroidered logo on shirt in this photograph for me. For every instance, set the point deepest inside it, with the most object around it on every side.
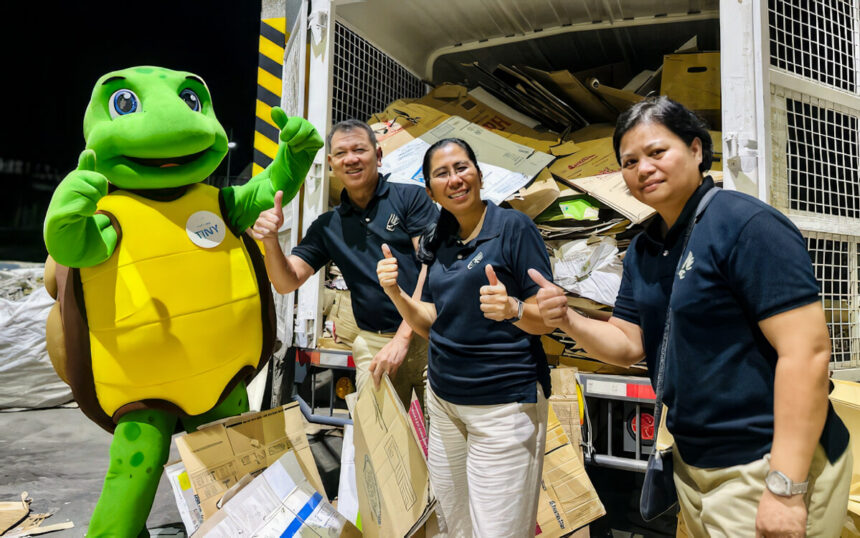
(393, 221)
(686, 266)
(476, 260)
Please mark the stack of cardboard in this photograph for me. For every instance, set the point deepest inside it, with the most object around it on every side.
(253, 475)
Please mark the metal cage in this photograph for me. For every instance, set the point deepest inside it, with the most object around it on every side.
(365, 79)
(816, 40)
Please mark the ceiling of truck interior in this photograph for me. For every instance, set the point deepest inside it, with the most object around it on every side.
(411, 30)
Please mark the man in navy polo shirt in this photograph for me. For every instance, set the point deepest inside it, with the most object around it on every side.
(372, 211)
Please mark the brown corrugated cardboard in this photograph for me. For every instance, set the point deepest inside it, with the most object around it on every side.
(568, 500)
(593, 157)
(217, 455)
(391, 471)
(538, 196)
(621, 100)
(612, 191)
(567, 86)
(694, 81)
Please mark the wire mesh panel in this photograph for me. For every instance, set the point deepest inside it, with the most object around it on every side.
(835, 259)
(816, 156)
(366, 79)
(815, 39)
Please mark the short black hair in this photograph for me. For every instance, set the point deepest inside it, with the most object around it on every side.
(683, 122)
(428, 155)
(349, 125)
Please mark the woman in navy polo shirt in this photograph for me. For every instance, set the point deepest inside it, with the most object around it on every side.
(487, 374)
(758, 448)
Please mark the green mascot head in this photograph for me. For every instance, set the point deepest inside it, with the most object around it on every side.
(153, 128)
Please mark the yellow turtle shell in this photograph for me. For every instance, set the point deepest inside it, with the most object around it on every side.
(178, 314)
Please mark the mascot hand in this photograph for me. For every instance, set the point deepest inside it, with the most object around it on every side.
(81, 190)
(300, 142)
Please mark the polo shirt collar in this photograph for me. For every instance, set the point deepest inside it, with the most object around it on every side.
(489, 229)
(346, 206)
(653, 231)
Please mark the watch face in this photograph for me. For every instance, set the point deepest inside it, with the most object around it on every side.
(777, 483)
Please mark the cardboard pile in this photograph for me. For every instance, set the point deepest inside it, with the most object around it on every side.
(252, 475)
(544, 142)
(278, 502)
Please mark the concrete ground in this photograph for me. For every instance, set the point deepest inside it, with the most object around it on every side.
(60, 458)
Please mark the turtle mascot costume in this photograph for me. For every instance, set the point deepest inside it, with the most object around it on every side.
(164, 308)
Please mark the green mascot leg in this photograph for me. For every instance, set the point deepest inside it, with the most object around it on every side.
(138, 452)
(234, 404)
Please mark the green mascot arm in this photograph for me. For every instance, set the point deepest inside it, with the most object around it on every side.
(74, 235)
(299, 144)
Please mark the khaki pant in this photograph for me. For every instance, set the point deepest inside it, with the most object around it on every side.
(412, 373)
(485, 465)
(724, 501)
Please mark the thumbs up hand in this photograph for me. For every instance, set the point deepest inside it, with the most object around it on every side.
(270, 221)
(551, 301)
(386, 271)
(495, 303)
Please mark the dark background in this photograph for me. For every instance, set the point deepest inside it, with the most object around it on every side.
(51, 56)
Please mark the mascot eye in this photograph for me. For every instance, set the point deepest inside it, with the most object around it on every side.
(123, 102)
(190, 99)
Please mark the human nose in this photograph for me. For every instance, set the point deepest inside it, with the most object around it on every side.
(645, 167)
(350, 158)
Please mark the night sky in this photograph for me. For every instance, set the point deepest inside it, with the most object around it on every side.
(52, 54)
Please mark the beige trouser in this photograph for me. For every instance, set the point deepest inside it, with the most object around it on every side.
(724, 501)
(412, 373)
(485, 465)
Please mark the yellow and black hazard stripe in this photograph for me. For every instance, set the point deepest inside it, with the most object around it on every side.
(273, 39)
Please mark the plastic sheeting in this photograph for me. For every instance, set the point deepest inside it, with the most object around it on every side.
(27, 378)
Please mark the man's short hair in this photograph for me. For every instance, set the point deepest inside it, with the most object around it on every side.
(349, 125)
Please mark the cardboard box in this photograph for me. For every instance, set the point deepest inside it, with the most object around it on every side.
(694, 81)
(218, 455)
(394, 495)
(278, 502)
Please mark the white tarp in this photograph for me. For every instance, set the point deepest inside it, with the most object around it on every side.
(27, 378)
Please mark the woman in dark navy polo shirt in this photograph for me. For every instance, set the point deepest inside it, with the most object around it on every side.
(758, 448)
(487, 374)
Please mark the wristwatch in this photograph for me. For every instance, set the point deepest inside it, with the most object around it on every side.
(781, 485)
(519, 316)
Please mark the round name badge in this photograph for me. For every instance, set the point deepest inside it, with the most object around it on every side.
(205, 229)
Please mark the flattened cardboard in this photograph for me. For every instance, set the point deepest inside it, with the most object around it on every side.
(186, 501)
(13, 512)
(217, 455)
(535, 198)
(565, 85)
(278, 502)
(570, 498)
(612, 191)
(593, 157)
(391, 473)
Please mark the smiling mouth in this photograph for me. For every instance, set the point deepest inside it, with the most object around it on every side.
(458, 195)
(167, 162)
